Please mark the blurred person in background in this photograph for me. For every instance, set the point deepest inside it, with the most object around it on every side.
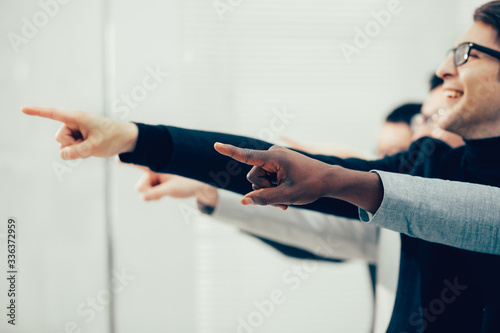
(395, 135)
(425, 123)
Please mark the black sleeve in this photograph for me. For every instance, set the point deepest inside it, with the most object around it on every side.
(191, 154)
(295, 252)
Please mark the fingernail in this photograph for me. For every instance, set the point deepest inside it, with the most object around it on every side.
(63, 154)
(247, 201)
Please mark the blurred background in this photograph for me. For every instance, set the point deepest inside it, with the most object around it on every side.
(92, 256)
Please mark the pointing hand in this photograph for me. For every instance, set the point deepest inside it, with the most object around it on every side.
(85, 134)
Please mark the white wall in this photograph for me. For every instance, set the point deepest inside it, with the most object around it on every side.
(230, 74)
(61, 242)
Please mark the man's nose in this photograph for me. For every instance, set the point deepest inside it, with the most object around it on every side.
(447, 68)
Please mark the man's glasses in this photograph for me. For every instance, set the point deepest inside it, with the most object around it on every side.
(461, 53)
(430, 122)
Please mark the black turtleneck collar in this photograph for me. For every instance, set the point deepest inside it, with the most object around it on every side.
(482, 160)
(483, 150)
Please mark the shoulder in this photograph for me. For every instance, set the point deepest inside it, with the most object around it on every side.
(429, 146)
(427, 154)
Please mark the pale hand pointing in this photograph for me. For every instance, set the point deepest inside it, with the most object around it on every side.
(85, 134)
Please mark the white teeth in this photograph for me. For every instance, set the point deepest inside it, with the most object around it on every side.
(452, 94)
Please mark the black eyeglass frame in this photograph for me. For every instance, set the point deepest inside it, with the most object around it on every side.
(484, 49)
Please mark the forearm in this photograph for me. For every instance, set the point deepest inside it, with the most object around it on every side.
(461, 215)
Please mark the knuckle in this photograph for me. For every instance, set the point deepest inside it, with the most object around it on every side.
(248, 153)
(80, 115)
(288, 182)
(277, 148)
(250, 177)
(84, 149)
(263, 200)
(96, 136)
(105, 124)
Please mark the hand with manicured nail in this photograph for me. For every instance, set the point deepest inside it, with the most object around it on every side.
(282, 177)
(85, 134)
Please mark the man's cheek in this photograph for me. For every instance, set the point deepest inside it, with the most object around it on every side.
(486, 87)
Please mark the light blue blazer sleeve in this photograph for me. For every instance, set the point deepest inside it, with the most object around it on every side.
(461, 215)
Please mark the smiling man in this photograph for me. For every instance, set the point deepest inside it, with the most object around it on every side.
(472, 83)
(440, 288)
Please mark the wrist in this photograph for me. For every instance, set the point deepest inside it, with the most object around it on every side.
(207, 196)
(335, 184)
(205, 209)
(129, 133)
(363, 189)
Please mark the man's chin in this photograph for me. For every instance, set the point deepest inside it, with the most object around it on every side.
(450, 124)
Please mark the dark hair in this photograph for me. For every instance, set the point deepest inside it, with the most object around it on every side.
(489, 13)
(404, 113)
(435, 82)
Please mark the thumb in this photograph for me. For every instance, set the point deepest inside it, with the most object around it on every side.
(143, 183)
(154, 193)
(82, 149)
(269, 196)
